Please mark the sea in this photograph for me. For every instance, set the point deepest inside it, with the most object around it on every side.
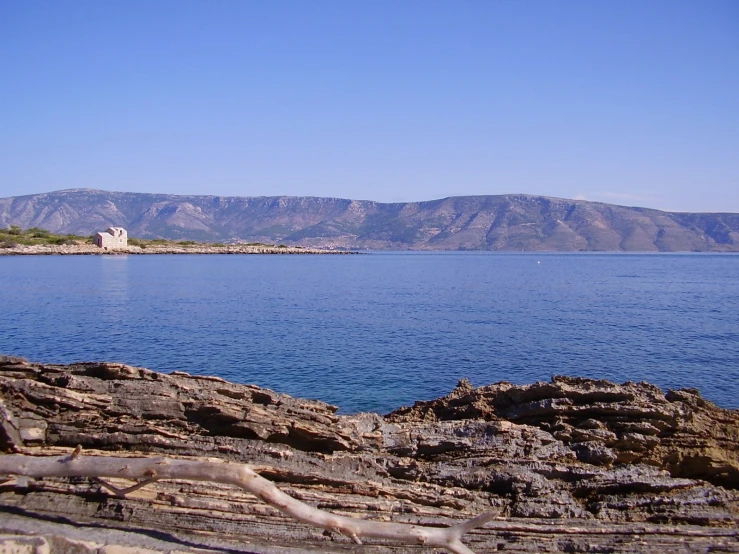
(380, 330)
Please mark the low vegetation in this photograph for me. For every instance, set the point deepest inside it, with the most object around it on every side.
(144, 243)
(15, 236)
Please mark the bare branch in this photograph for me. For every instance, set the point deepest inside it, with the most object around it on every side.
(147, 470)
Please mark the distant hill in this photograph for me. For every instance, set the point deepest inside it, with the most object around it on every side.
(506, 222)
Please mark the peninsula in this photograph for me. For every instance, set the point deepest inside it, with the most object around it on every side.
(570, 465)
(18, 242)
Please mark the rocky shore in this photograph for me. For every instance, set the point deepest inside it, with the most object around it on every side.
(571, 465)
(92, 250)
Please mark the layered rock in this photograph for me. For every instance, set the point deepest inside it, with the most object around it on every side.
(573, 465)
(604, 424)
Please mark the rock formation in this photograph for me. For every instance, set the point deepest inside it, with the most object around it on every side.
(574, 465)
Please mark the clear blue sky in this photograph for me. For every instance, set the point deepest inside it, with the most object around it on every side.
(633, 102)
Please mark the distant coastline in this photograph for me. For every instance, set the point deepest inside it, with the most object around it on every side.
(507, 223)
(16, 241)
(92, 250)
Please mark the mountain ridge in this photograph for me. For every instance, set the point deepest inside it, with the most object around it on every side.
(510, 222)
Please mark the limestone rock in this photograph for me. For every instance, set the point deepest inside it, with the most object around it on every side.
(605, 423)
(573, 465)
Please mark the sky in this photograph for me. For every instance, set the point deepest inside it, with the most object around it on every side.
(630, 102)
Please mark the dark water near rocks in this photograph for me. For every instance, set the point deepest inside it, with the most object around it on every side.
(374, 332)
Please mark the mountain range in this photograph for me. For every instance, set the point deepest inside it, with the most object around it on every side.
(511, 222)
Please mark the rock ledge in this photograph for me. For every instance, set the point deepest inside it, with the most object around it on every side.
(573, 465)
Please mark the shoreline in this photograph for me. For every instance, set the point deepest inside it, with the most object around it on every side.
(563, 463)
(92, 250)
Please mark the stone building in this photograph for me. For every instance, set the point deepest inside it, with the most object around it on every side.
(115, 238)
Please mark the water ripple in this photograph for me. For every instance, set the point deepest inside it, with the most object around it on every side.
(379, 331)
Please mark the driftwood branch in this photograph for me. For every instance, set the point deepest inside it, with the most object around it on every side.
(147, 470)
(121, 493)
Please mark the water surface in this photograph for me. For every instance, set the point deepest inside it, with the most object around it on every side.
(377, 331)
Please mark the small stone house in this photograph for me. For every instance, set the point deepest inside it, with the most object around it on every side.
(115, 238)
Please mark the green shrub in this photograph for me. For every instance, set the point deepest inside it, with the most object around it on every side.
(37, 233)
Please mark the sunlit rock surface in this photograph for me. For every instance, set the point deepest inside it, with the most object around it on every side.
(573, 465)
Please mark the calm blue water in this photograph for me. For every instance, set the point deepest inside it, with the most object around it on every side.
(378, 331)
